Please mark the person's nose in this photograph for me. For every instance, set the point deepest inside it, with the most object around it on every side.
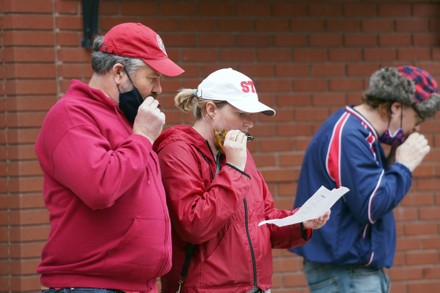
(249, 123)
(157, 88)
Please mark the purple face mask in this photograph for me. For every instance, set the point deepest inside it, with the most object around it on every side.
(395, 139)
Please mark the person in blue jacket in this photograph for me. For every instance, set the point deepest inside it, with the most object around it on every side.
(350, 252)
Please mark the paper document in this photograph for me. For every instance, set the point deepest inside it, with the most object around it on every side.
(313, 208)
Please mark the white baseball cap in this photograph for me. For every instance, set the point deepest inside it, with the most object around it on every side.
(235, 88)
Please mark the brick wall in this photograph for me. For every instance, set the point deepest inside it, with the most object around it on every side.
(307, 58)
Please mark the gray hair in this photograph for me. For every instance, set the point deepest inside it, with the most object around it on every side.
(103, 62)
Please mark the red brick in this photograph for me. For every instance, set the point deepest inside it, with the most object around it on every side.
(290, 40)
(277, 175)
(25, 283)
(69, 39)
(199, 25)
(253, 9)
(343, 25)
(310, 85)
(288, 9)
(360, 10)
(236, 55)
(420, 229)
(406, 25)
(141, 8)
(264, 160)
(34, 55)
(235, 25)
(310, 55)
(23, 21)
(38, 7)
(275, 85)
(307, 25)
(422, 258)
(68, 7)
(423, 287)
(69, 22)
(397, 10)
(345, 84)
(30, 86)
(216, 40)
(28, 38)
(385, 54)
(211, 8)
(379, 25)
(421, 39)
(324, 10)
(176, 8)
(326, 40)
(414, 54)
(278, 25)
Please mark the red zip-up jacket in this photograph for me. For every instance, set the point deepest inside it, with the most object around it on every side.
(219, 213)
(109, 224)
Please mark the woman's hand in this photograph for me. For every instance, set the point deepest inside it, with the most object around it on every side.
(318, 222)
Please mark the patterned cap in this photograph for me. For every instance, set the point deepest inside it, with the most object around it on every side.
(423, 81)
(408, 85)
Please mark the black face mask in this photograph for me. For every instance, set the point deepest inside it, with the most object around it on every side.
(129, 102)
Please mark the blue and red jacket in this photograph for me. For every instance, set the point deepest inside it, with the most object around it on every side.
(345, 152)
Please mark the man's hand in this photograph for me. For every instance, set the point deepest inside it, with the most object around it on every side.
(412, 152)
(149, 120)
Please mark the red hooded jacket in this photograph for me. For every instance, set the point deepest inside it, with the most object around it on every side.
(219, 213)
(109, 221)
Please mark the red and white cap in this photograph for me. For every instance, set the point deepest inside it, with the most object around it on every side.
(235, 88)
(135, 40)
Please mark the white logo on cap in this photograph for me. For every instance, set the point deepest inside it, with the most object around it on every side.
(161, 44)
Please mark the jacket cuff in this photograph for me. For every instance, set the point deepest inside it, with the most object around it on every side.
(306, 234)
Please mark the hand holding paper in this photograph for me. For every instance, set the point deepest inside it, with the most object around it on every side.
(313, 208)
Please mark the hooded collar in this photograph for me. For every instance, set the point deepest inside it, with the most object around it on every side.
(184, 133)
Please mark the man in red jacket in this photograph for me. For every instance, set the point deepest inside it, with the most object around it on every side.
(110, 228)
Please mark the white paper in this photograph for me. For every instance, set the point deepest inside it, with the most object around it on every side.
(313, 208)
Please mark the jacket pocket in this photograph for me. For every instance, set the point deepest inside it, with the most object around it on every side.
(143, 252)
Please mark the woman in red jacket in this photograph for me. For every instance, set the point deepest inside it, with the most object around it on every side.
(216, 195)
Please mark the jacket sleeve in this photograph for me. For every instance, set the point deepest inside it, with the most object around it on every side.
(374, 190)
(84, 162)
(198, 207)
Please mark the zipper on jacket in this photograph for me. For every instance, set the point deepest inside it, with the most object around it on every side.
(254, 264)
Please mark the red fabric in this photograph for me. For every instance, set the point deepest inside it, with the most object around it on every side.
(102, 186)
(212, 213)
(425, 85)
(144, 43)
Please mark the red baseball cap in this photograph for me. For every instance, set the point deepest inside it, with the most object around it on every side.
(136, 40)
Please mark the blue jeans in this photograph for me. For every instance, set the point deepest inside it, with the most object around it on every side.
(322, 278)
(80, 290)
